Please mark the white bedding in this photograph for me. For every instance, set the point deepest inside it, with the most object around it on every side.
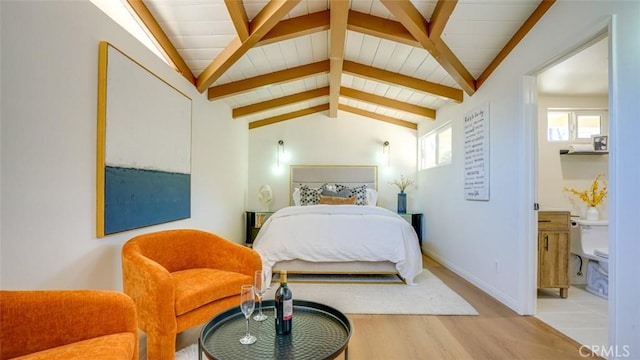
(329, 233)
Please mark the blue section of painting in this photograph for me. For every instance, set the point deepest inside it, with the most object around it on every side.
(136, 198)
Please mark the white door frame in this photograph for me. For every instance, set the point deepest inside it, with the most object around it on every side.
(529, 99)
(529, 250)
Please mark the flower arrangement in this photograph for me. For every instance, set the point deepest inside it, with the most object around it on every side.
(402, 183)
(594, 195)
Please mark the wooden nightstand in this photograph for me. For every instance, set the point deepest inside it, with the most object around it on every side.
(416, 221)
(253, 222)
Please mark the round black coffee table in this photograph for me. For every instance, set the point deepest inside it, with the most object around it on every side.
(318, 332)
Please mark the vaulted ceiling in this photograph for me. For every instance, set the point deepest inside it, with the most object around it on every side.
(397, 61)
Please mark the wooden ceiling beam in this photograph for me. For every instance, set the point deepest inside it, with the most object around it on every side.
(237, 87)
(338, 32)
(278, 102)
(455, 68)
(288, 116)
(408, 16)
(440, 17)
(387, 102)
(392, 78)
(161, 39)
(531, 21)
(297, 26)
(239, 18)
(376, 116)
(266, 19)
(413, 21)
(381, 28)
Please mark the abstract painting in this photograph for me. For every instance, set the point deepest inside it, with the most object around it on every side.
(144, 147)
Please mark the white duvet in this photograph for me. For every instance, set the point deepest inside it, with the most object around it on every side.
(331, 233)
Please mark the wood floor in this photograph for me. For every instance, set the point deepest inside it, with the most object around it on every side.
(497, 333)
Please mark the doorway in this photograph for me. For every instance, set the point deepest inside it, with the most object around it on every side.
(575, 84)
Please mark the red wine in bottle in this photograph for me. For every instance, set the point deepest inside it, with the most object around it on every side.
(283, 306)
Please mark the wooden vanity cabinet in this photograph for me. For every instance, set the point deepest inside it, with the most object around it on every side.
(553, 250)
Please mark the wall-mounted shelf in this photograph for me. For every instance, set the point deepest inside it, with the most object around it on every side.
(566, 152)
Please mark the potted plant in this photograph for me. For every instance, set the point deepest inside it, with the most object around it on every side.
(403, 183)
(592, 197)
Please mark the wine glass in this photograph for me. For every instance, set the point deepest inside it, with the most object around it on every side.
(260, 283)
(247, 304)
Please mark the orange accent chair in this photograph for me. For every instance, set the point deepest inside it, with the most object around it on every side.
(67, 324)
(182, 278)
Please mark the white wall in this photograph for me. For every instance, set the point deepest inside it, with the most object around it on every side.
(470, 237)
(49, 116)
(557, 171)
(0, 147)
(624, 173)
(317, 139)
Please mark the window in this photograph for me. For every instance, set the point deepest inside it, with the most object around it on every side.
(558, 126)
(435, 148)
(120, 12)
(575, 125)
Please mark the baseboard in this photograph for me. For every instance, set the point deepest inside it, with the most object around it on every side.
(480, 284)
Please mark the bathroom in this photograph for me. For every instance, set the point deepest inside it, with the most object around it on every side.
(570, 115)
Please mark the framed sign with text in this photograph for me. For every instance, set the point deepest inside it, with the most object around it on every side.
(476, 154)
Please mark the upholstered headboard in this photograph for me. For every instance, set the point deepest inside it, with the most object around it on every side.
(316, 175)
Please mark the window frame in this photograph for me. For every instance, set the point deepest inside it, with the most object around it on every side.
(435, 138)
(574, 114)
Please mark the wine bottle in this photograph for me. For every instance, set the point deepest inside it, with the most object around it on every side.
(283, 306)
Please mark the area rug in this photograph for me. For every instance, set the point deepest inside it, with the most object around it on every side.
(188, 353)
(430, 296)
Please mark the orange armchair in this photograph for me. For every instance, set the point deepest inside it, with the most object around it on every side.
(67, 324)
(182, 278)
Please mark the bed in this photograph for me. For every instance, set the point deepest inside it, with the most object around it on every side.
(312, 238)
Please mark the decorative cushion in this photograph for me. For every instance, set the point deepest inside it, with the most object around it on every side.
(360, 193)
(310, 196)
(344, 193)
(336, 200)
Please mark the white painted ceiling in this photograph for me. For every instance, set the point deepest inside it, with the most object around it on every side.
(475, 32)
(582, 74)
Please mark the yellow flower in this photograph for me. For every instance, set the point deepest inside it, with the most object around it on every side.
(594, 195)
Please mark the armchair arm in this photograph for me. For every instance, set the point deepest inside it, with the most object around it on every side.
(151, 287)
(237, 258)
(32, 321)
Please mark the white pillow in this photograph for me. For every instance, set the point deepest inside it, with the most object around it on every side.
(372, 197)
(296, 196)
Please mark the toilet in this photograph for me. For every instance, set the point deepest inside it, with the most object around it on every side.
(590, 241)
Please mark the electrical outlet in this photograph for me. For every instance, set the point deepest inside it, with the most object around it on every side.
(497, 266)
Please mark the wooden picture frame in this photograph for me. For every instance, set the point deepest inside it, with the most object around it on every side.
(143, 174)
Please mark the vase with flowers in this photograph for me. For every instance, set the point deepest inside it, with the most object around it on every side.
(592, 197)
(403, 183)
